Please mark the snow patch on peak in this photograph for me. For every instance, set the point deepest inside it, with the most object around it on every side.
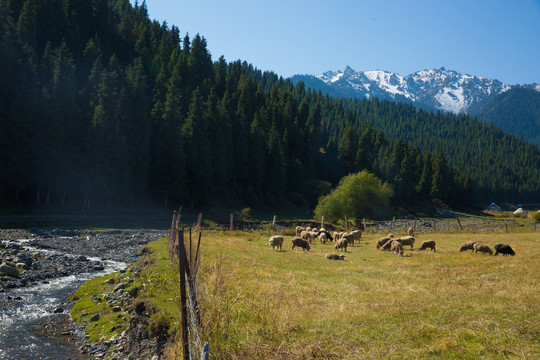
(537, 87)
(330, 76)
(452, 99)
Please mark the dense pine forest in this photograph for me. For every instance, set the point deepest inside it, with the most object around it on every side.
(101, 105)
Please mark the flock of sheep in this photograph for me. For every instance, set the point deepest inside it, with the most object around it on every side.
(305, 236)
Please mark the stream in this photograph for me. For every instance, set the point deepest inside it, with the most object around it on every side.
(24, 331)
(34, 307)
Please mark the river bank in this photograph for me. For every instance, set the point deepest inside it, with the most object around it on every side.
(40, 270)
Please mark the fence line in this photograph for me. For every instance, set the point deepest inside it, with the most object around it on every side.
(188, 269)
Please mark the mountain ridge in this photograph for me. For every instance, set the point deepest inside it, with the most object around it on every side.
(435, 90)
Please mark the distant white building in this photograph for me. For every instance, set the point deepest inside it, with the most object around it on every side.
(519, 211)
(493, 207)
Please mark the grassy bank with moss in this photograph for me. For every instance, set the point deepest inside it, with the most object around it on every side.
(259, 303)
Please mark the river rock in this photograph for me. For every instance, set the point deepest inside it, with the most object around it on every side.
(21, 265)
(9, 270)
(38, 265)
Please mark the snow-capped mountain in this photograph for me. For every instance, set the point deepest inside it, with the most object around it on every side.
(438, 89)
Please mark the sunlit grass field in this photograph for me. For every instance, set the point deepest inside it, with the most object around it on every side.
(257, 303)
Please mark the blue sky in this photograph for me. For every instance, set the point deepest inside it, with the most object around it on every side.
(499, 39)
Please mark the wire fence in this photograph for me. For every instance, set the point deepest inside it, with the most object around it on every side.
(189, 262)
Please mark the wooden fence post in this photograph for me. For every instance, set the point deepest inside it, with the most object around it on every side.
(365, 227)
(199, 221)
(459, 222)
(434, 226)
(183, 298)
(274, 224)
(346, 224)
(231, 222)
(322, 222)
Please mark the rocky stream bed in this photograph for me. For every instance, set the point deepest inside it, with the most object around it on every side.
(39, 270)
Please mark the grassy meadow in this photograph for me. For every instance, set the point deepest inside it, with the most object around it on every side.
(259, 303)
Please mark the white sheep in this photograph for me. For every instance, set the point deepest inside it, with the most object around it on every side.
(276, 242)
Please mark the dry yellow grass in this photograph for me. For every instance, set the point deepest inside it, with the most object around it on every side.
(258, 303)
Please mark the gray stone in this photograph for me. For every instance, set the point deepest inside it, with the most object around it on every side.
(9, 270)
(95, 318)
(22, 265)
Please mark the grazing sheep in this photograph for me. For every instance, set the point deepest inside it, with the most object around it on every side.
(276, 241)
(326, 233)
(315, 230)
(468, 245)
(407, 240)
(387, 245)
(336, 235)
(503, 249)
(390, 235)
(341, 244)
(308, 228)
(397, 248)
(306, 235)
(428, 244)
(349, 237)
(357, 235)
(322, 238)
(410, 231)
(322, 230)
(335, 257)
(382, 241)
(483, 248)
(300, 243)
(299, 230)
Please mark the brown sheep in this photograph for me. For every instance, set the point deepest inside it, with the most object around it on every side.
(357, 235)
(407, 240)
(382, 241)
(483, 249)
(387, 245)
(428, 244)
(503, 249)
(341, 244)
(335, 257)
(397, 248)
(349, 237)
(300, 243)
(468, 245)
(410, 231)
(276, 241)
